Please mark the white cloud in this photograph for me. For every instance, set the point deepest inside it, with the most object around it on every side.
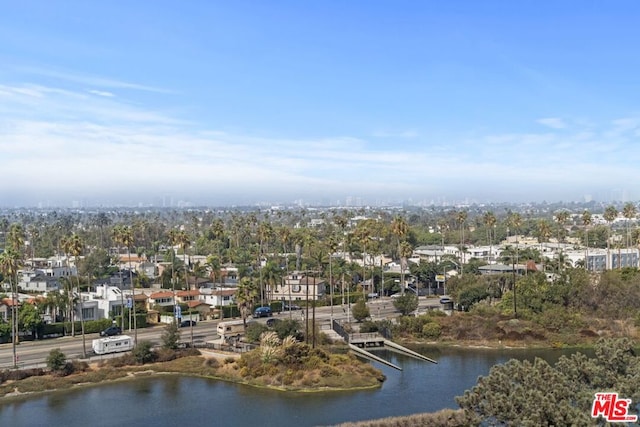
(68, 143)
(101, 93)
(553, 122)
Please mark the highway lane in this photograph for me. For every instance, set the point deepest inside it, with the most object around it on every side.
(34, 353)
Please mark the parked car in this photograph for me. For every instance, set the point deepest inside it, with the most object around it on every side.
(291, 307)
(262, 312)
(111, 331)
(446, 300)
(186, 323)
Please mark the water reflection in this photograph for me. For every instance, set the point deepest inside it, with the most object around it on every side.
(172, 400)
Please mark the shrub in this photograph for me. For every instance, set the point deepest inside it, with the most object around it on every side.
(166, 355)
(211, 362)
(171, 336)
(360, 311)
(254, 330)
(431, 330)
(368, 326)
(143, 352)
(56, 360)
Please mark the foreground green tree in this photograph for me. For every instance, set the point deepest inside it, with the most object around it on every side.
(535, 393)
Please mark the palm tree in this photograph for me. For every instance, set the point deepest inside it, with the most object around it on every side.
(610, 214)
(73, 246)
(399, 228)
(332, 245)
(116, 236)
(125, 237)
(405, 252)
(461, 218)
(246, 295)
(561, 218)
(587, 220)
(489, 220)
(10, 262)
(544, 232)
(629, 212)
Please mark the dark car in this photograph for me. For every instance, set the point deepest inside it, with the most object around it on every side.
(262, 312)
(186, 323)
(111, 331)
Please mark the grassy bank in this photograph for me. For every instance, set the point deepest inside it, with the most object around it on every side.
(301, 369)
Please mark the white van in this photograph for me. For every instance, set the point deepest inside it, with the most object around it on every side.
(231, 328)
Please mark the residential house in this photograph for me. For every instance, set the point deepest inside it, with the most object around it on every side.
(218, 297)
(298, 286)
(160, 299)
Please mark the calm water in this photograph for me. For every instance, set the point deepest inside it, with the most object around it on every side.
(172, 401)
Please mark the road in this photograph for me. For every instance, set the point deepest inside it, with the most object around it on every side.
(34, 353)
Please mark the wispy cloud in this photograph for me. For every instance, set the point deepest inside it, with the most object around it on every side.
(553, 122)
(101, 93)
(75, 144)
(91, 80)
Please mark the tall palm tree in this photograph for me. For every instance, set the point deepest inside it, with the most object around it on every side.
(561, 218)
(246, 295)
(544, 232)
(10, 262)
(332, 245)
(461, 219)
(125, 237)
(610, 214)
(629, 212)
(587, 220)
(405, 252)
(489, 220)
(399, 228)
(116, 236)
(73, 246)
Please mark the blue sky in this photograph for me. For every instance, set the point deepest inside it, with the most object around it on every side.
(250, 101)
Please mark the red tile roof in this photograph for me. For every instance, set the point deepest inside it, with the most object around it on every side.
(163, 294)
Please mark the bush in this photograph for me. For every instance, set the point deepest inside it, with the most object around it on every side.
(431, 330)
(56, 360)
(406, 303)
(360, 311)
(254, 330)
(143, 352)
(368, 326)
(171, 336)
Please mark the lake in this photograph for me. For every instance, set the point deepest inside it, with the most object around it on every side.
(173, 401)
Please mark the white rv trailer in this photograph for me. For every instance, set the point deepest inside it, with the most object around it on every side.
(113, 344)
(231, 328)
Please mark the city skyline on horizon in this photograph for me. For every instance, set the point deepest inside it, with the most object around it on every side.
(236, 104)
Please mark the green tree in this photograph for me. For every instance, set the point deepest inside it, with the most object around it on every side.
(29, 318)
(360, 311)
(535, 393)
(56, 360)
(143, 352)
(170, 336)
(406, 303)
